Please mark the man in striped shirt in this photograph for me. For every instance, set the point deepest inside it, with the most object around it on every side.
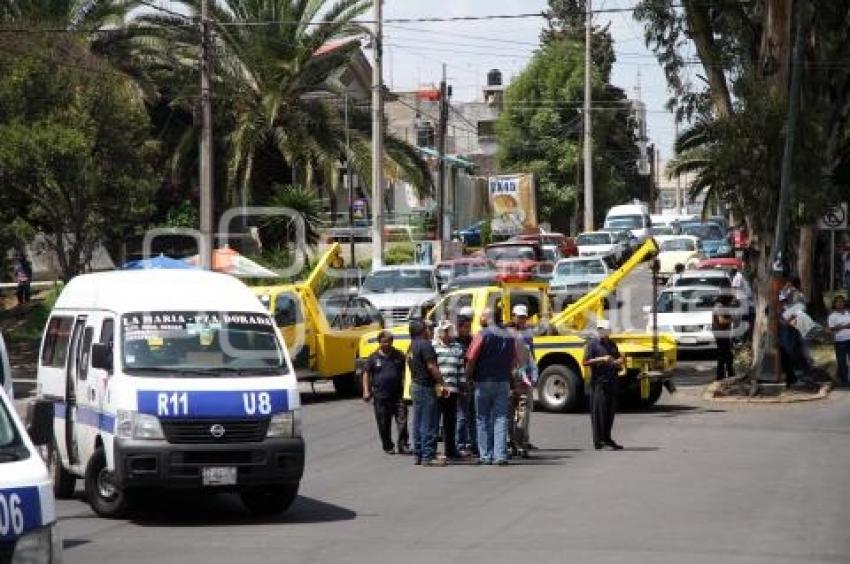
(450, 363)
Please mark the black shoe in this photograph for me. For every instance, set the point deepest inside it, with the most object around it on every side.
(598, 446)
(417, 462)
(403, 450)
(614, 446)
(502, 463)
(389, 451)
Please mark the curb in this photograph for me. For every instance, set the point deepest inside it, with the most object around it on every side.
(711, 390)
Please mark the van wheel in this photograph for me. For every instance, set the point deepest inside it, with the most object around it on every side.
(266, 502)
(64, 483)
(347, 386)
(103, 494)
(560, 389)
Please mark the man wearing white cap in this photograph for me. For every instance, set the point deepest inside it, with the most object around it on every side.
(467, 441)
(604, 359)
(525, 376)
(450, 363)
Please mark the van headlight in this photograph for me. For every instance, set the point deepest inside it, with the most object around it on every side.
(135, 425)
(286, 425)
(42, 545)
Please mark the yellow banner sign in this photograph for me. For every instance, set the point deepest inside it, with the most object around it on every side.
(513, 203)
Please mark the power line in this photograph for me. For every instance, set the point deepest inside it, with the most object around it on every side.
(164, 10)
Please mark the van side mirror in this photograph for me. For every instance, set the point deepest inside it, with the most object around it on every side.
(40, 421)
(101, 356)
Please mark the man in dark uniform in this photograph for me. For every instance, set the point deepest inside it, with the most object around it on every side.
(383, 382)
(425, 377)
(604, 360)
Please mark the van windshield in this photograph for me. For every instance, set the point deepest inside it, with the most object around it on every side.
(201, 343)
(11, 446)
(624, 222)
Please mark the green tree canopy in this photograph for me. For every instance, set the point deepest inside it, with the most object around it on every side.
(540, 131)
(75, 150)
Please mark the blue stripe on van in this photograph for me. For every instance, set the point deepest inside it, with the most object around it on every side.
(88, 416)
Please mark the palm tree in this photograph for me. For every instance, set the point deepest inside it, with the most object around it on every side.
(275, 81)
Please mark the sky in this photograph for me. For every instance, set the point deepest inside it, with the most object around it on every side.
(414, 52)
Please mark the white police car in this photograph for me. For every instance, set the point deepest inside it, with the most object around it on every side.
(27, 512)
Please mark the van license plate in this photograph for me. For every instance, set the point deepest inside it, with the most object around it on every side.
(219, 476)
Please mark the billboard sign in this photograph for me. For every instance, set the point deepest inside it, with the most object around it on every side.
(513, 203)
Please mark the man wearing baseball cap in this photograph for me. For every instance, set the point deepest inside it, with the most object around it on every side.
(522, 386)
(604, 359)
(467, 440)
(450, 362)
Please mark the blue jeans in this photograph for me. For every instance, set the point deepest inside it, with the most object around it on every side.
(491, 406)
(466, 423)
(426, 421)
(842, 351)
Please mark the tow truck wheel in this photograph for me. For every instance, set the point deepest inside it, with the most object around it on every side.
(347, 386)
(103, 494)
(64, 482)
(655, 390)
(560, 389)
(269, 501)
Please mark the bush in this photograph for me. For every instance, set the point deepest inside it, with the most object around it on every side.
(399, 254)
(402, 253)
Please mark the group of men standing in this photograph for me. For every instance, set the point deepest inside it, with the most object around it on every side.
(475, 392)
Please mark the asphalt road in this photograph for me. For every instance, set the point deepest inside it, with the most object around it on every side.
(698, 482)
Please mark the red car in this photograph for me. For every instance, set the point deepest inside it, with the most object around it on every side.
(567, 245)
(720, 264)
(518, 257)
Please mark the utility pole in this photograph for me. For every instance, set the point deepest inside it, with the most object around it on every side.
(205, 252)
(350, 184)
(441, 170)
(377, 137)
(679, 202)
(588, 139)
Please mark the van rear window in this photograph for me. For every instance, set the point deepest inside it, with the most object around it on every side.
(54, 352)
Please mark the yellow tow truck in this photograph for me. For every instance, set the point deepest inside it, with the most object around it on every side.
(559, 347)
(322, 324)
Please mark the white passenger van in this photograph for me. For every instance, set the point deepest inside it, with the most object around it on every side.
(28, 531)
(169, 379)
(634, 217)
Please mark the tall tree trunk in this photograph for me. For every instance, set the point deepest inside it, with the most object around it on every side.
(806, 259)
(764, 349)
(775, 48)
(699, 22)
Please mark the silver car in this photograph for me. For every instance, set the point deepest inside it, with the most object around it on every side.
(401, 292)
(573, 277)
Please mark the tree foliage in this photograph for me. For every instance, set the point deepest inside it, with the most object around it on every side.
(541, 126)
(277, 97)
(75, 158)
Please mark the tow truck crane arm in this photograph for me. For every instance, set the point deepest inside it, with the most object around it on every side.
(331, 259)
(311, 288)
(575, 316)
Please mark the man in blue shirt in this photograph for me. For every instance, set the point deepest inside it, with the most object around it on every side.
(383, 383)
(604, 360)
(490, 362)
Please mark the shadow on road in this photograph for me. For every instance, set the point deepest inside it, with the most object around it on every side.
(186, 510)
